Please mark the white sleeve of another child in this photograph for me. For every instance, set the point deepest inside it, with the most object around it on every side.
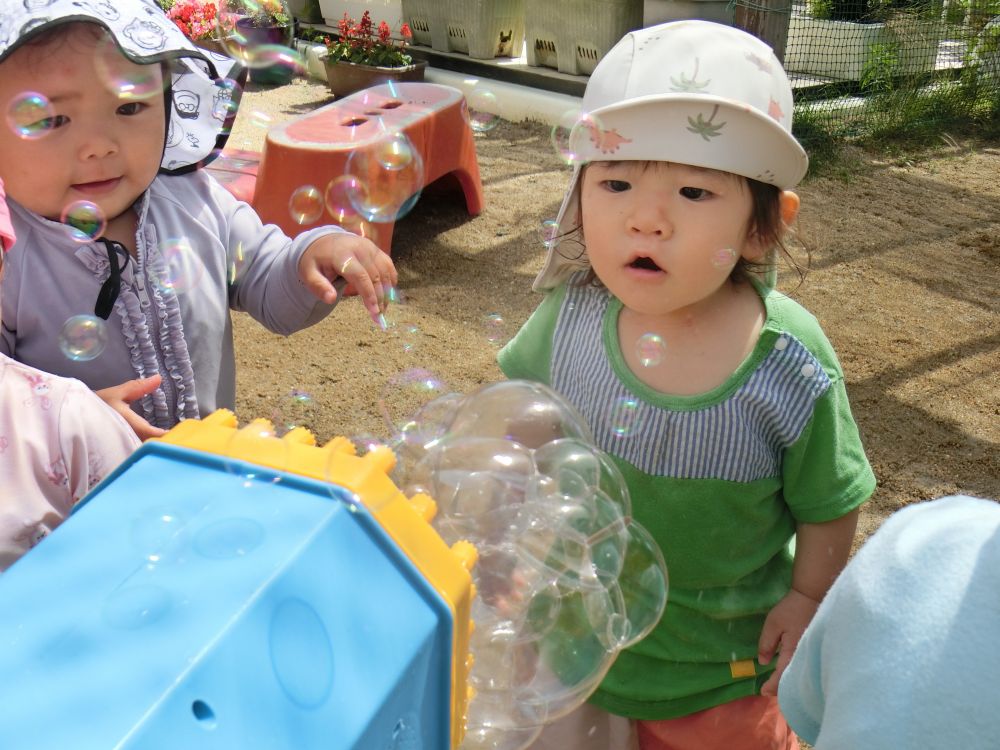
(93, 438)
(903, 651)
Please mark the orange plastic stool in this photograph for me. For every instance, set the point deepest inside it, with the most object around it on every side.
(312, 150)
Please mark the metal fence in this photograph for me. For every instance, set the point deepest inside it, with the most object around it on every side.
(878, 68)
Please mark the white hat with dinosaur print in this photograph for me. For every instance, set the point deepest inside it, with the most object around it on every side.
(689, 92)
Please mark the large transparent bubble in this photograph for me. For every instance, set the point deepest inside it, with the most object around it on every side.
(565, 577)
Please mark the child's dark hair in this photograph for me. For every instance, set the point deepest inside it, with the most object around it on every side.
(765, 222)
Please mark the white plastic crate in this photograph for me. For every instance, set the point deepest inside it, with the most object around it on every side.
(573, 35)
(482, 29)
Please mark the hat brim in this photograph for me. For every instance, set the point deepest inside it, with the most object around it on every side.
(204, 89)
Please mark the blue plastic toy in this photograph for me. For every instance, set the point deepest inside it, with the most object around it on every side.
(216, 593)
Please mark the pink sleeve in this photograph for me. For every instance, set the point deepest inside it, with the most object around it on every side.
(93, 437)
(6, 230)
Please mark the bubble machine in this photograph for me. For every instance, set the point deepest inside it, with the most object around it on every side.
(229, 589)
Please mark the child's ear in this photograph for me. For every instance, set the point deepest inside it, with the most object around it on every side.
(789, 205)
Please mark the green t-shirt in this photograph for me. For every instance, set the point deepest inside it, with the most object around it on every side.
(719, 479)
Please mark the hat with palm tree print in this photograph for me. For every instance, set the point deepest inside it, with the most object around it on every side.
(689, 92)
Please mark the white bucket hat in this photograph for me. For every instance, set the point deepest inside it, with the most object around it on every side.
(689, 92)
(204, 87)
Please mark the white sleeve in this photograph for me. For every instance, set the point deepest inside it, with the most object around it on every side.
(93, 437)
(903, 652)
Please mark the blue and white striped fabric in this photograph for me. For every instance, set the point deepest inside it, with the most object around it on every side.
(739, 439)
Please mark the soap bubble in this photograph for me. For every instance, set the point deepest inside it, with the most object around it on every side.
(339, 197)
(83, 338)
(482, 109)
(550, 232)
(127, 82)
(255, 454)
(408, 334)
(159, 534)
(86, 219)
(572, 132)
(254, 47)
(390, 177)
(295, 409)
(261, 119)
(565, 577)
(649, 348)
(31, 115)
(626, 416)
(518, 410)
(494, 326)
(178, 268)
(238, 261)
(403, 403)
(306, 205)
(395, 152)
(724, 258)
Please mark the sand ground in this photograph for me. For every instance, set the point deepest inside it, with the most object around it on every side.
(905, 279)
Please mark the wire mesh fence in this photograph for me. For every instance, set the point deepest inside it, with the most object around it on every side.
(880, 68)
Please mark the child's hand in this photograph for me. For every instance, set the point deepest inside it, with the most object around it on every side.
(782, 630)
(118, 397)
(356, 260)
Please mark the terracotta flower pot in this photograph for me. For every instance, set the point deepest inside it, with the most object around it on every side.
(347, 77)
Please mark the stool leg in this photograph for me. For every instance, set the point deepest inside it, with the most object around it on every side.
(472, 189)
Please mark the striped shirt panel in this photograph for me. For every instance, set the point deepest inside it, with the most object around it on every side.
(740, 439)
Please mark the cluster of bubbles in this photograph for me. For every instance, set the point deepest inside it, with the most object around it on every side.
(381, 183)
(565, 578)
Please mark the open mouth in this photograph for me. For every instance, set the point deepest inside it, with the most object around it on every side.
(644, 264)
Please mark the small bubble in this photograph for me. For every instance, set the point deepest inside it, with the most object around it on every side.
(365, 442)
(724, 258)
(550, 232)
(409, 334)
(180, 269)
(261, 120)
(650, 349)
(248, 442)
(239, 259)
(86, 219)
(483, 110)
(340, 196)
(30, 115)
(391, 176)
(494, 326)
(395, 152)
(625, 416)
(159, 534)
(295, 410)
(131, 83)
(572, 132)
(403, 396)
(306, 205)
(83, 338)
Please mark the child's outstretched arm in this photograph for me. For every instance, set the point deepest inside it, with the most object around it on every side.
(356, 260)
(821, 552)
(118, 397)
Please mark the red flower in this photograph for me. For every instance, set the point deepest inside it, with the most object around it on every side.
(405, 32)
